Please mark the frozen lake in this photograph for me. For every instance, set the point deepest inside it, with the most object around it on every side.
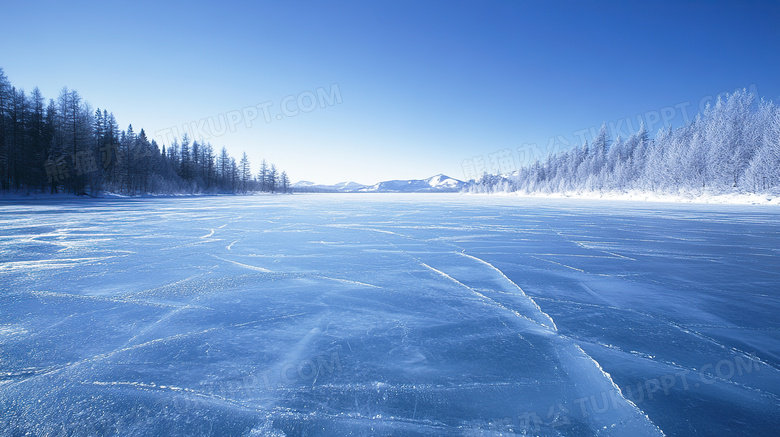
(384, 315)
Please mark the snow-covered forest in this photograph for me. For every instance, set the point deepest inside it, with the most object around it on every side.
(733, 146)
(64, 145)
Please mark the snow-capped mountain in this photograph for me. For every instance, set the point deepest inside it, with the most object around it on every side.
(438, 183)
(348, 186)
(434, 184)
(341, 187)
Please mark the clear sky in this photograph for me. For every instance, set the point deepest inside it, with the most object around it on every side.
(402, 89)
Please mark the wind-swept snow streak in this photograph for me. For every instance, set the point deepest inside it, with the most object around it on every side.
(485, 298)
(346, 281)
(629, 419)
(51, 263)
(246, 266)
(549, 321)
(560, 264)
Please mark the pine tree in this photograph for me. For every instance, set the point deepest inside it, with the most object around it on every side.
(272, 179)
(224, 170)
(5, 97)
(195, 170)
(208, 168)
(39, 142)
(285, 181)
(185, 167)
(143, 162)
(234, 176)
(128, 147)
(262, 176)
(245, 172)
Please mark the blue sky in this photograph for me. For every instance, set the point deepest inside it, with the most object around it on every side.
(416, 88)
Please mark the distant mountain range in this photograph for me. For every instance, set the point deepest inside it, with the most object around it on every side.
(434, 184)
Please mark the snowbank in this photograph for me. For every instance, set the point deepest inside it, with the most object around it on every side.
(731, 198)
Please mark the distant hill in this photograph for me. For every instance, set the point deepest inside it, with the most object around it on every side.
(434, 184)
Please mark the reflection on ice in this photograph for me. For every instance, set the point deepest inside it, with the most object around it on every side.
(388, 315)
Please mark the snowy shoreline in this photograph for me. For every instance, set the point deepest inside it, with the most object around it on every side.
(640, 196)
(637, 196)
(102, 196)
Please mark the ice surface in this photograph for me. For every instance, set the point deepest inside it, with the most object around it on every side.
(388, 315)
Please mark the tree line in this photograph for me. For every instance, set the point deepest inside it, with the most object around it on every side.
(732, 146)
(64, 146)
